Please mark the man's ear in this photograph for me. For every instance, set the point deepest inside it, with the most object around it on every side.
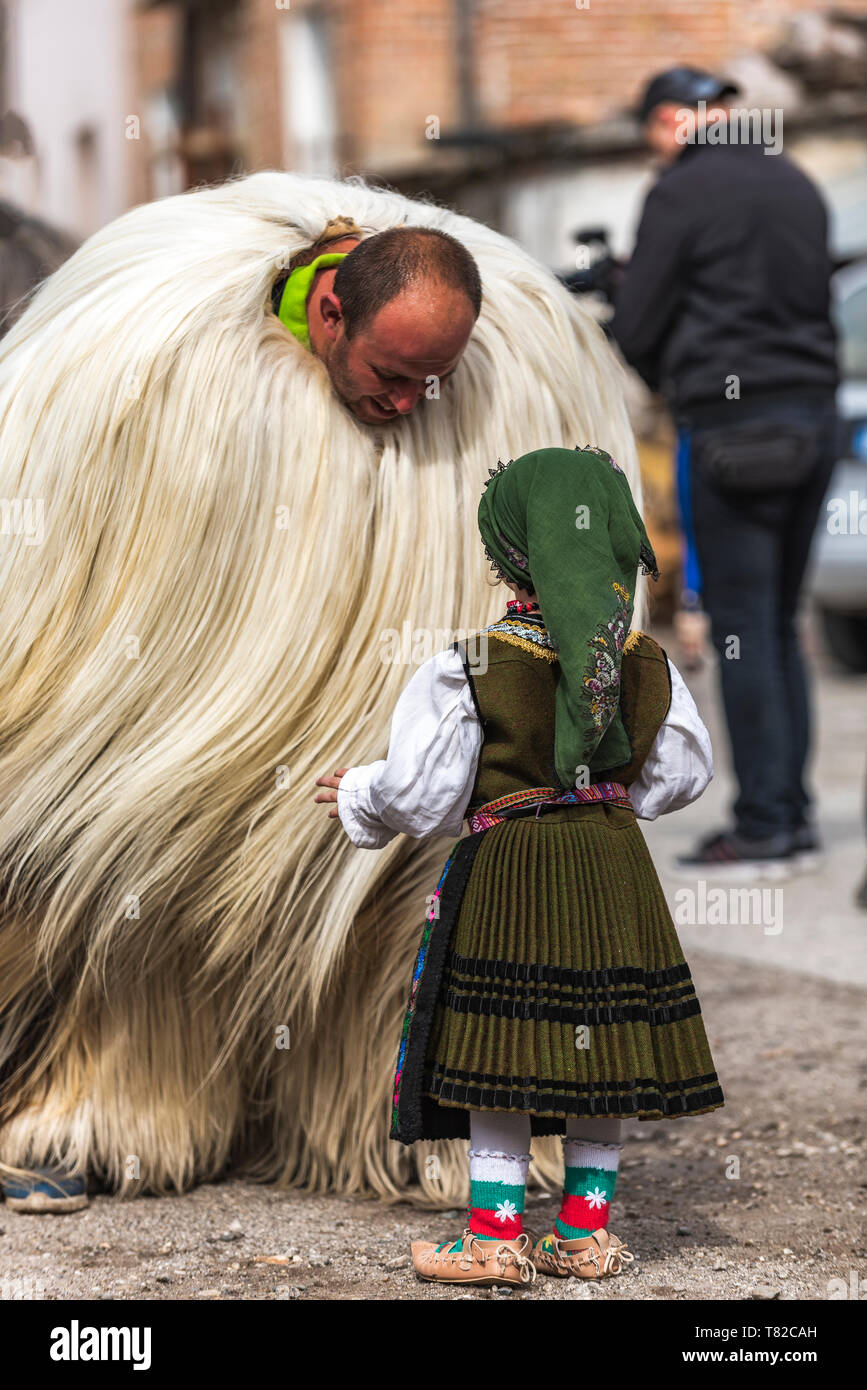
(331, 315)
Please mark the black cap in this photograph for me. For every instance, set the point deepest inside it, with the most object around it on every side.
(688, 86)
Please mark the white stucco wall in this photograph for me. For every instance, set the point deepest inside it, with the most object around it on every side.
(541, 211)
(69, 69)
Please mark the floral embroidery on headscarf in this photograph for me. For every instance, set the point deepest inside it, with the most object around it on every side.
(514, 555)
(591, 449)
(602, 681)
(517, 559)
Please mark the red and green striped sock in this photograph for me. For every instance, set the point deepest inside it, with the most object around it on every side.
(497, 1186)
(591, 1173)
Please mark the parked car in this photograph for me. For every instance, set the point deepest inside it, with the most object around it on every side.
(838, 577)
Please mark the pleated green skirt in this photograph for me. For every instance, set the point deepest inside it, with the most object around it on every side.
(561, 989)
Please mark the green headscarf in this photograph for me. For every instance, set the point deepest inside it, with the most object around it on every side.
(562, 523)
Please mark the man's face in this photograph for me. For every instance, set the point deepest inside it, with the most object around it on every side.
(383, 370)
(665, 128)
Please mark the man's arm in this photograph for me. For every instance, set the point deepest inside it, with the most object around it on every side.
(652, 288)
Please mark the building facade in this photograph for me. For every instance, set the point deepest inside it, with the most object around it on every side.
(516, 111)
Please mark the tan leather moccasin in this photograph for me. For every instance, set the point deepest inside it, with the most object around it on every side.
(475, 1261)
(589, 1257)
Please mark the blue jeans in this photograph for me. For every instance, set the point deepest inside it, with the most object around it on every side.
(691, 571)
(752, 550)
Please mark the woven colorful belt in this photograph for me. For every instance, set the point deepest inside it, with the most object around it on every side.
(515, 802)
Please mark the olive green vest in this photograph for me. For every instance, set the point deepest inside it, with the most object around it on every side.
(514, 699)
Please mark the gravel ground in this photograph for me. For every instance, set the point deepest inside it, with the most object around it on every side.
(792, 1066)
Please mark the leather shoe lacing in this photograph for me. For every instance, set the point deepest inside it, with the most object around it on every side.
(613, 1260)
(504, 1254)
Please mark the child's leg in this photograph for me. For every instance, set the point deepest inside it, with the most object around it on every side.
(591, 1153)
(499, 1158)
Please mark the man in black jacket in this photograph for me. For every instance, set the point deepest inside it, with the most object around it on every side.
(724, 308)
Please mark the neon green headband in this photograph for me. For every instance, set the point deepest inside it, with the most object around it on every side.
(293, 301)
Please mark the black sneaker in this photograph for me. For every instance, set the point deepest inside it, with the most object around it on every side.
(727, 854)
(806, 847)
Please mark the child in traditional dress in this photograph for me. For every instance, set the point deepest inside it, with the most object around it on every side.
(550, 994)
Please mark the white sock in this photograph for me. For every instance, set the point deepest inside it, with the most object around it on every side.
(500, 1132)
(594, 1131)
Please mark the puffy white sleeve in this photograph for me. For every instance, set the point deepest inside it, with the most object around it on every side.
(680, 763)
(424, 785)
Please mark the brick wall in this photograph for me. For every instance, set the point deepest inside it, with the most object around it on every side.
(395, 67)
(395, 63)
(261, 118)
(552, 61)
(155, 36)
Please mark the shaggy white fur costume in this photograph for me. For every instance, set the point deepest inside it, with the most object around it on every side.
(201, 554)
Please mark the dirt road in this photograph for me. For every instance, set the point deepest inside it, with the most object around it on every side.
(793, 1068)
(763, 1199)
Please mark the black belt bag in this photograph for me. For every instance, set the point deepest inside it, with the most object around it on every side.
(759, 455)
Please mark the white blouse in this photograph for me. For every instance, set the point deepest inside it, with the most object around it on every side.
(424, 785)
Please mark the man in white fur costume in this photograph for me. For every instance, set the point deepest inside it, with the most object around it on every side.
(219, 526)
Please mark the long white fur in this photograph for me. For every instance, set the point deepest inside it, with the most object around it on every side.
(224, 548)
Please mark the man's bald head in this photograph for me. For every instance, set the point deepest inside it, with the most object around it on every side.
(399, 260)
